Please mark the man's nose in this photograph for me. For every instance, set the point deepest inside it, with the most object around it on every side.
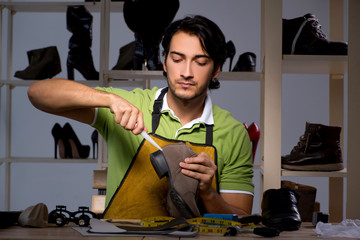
(187, 71)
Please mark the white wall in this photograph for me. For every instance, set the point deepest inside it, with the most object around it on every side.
(305, 98)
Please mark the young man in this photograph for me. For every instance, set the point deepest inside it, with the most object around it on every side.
(194, 51)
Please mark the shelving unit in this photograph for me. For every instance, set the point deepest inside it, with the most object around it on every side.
(274, 65)
(108, 77)
(336, 67)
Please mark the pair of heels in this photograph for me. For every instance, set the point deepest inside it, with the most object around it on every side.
(69, 144)
(246, 61)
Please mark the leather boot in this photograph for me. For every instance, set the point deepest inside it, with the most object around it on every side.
(79, 22)
(303, 35)
(43, 63)
(317, 150)
(279, 209)
(245, 63)
(307, 196)
(182, 195)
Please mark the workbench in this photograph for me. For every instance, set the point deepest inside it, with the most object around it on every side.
(67, 232)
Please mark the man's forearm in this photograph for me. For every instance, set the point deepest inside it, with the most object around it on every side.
(60, 95)
(215, 203)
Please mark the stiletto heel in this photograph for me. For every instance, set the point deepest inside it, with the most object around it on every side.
(95, 141)
(77, 149)
(230, 52)
(70, 71)
(64, 147)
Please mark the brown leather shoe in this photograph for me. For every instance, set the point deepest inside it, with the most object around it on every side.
(182, 195)
(318, 149)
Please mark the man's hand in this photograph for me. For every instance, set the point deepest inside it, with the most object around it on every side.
(127, 115)
(202, 168)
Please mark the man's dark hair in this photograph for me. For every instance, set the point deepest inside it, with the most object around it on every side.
(211, 38)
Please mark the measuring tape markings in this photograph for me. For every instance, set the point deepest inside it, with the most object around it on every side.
(205, 225)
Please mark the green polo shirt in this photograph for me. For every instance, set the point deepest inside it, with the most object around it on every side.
(230, 138)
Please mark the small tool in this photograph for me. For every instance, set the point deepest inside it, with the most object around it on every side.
(262, 231)
(147, 137)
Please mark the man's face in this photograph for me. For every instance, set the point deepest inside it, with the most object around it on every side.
(189, 68)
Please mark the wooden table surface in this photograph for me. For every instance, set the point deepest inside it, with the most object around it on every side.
(67, 232)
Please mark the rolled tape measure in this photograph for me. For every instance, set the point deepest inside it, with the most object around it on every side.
(205, 224)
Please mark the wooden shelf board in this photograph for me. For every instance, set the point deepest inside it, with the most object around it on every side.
(314, 64)
(46, 160)
(45, 6)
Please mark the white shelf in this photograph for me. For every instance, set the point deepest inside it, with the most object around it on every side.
(47, 6)
(47, 160)
(289, 173)
(314, 64)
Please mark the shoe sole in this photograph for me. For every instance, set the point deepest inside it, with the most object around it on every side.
(315, 167)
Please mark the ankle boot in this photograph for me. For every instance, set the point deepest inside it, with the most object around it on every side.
(307, 196)
(245, 63)
(43, 63)
(126, 55)
(303, 35)
(318, 149)
(182, 195)
(279, 209)
(79, 22)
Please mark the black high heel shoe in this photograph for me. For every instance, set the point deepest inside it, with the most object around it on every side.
(230, 52)
(246, 63)
(95, 141)
(64, 146)
(77, 149)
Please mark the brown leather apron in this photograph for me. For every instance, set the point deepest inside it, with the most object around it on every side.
(141, 192)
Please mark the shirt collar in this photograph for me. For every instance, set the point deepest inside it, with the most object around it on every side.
(206, 117)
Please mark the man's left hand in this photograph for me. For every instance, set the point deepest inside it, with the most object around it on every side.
(202, 168)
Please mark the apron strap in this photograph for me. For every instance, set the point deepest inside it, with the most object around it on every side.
(157, 110)
(157, 113)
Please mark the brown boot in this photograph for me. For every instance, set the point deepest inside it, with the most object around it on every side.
(318, 150)
(182, 195)
(303, 35)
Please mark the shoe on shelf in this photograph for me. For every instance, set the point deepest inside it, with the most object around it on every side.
(60, 142)
(69, 144)
(95, 143)
(230, 53)
(126, 55)
(77, 149)
(318, 149)
(44, 63)
(245, 63)
(303, 35)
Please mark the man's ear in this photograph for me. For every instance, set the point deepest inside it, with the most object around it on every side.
(216, 71)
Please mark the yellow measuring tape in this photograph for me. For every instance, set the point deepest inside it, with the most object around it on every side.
(206, 225)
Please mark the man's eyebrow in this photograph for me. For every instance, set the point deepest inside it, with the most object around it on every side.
(195, 57)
